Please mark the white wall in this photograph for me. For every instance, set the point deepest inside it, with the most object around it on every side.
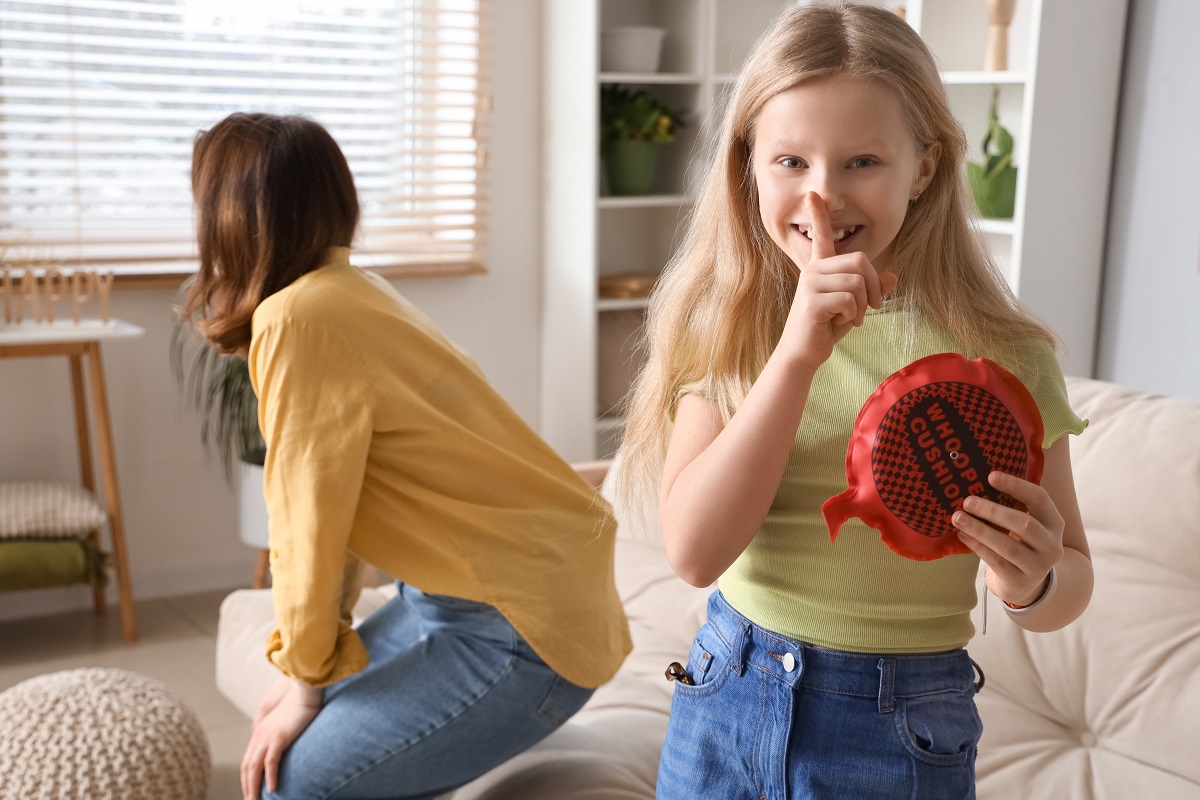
(1150, 313)
(180, 514)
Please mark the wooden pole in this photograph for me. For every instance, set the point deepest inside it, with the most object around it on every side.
(108, 468)
(999, 14)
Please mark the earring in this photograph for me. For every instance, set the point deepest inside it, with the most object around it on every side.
(915, 196)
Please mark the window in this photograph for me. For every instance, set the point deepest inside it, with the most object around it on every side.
(100, 101)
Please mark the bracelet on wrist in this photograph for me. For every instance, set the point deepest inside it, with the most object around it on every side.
(1051, 585)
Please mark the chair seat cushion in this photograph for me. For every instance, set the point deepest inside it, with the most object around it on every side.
(44, 510)
(37, 564)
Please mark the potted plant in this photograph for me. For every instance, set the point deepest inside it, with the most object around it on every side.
(633, 126)
(218, 386)
(994, 181)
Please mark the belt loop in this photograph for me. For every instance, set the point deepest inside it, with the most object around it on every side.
(887, 683)
(979, 670)
(739, 647)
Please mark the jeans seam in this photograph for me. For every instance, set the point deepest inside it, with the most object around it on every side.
(559, 681)
(508, 667)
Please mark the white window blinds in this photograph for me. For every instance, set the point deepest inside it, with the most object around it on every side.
(100, 101)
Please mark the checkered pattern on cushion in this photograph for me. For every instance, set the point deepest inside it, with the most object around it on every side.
(987, 433)
(43, 510)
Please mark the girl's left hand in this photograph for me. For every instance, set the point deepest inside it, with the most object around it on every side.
(271, 736)
(1019, 547)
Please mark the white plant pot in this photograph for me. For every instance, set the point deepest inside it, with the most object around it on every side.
(634, 48)
(252, 506)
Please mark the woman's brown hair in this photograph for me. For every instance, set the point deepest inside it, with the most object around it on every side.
(273, 193)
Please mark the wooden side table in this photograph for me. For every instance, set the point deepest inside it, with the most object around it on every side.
(79, 341)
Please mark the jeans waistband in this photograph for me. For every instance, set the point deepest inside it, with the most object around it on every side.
(883, 675)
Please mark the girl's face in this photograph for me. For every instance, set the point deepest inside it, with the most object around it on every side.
(847, 140)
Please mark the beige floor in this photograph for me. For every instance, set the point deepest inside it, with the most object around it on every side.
(176, 645)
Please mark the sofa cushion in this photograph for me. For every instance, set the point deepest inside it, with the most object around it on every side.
(45, 510)
(1109, 707)
(1106, 708)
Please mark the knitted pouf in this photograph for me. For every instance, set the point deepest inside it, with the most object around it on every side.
(100, 734)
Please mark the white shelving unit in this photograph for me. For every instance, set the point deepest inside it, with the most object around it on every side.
(1058, 98)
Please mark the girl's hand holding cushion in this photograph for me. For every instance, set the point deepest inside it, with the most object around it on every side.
(1019, 547)
(832, 294)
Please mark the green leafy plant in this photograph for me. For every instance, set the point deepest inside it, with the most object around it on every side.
(637, 116)
(997, 143)
(993, 181)
(218, 386)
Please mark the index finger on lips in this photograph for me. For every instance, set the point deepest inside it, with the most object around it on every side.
(819, 228)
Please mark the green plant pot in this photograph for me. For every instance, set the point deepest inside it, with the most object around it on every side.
(996, 197)
(629, 166)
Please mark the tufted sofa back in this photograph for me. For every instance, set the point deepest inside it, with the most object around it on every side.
(1109, 707)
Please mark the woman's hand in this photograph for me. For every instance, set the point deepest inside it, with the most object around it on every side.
(1019, 547)
(285, 711)
(833, 292)
(272, 697)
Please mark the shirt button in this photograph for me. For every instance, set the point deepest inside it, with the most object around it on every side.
(789, 662)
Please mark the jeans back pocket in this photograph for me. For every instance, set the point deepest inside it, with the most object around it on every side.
(562, 701)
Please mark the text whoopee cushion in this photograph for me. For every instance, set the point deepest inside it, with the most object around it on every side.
(925, 441)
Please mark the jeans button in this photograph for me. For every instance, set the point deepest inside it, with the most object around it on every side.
(789, 662)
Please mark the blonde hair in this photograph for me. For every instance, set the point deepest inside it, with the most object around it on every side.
(719, 307)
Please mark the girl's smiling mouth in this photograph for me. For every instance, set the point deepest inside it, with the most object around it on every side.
(840, 235)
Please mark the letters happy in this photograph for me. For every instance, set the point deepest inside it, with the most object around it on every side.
(35, 298)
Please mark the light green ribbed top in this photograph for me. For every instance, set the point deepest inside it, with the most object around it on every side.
(855, 594)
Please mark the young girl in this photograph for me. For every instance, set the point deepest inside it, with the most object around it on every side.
(830, 247)
(385, 443)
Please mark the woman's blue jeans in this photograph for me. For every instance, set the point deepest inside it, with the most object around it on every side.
(770, 717)
(452, 691)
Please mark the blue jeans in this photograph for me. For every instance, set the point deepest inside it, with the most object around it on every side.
(452, 691)
(770, 717)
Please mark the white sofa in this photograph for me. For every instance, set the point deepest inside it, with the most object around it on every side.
(1108, 708)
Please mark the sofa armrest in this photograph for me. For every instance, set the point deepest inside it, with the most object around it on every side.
(246, 618)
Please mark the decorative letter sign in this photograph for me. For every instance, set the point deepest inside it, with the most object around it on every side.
(33, 298)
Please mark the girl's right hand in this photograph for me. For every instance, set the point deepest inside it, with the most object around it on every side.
(832, 294)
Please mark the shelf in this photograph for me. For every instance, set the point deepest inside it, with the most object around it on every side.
(681, 78)
(982, 78)
(622, 304)
(643, 201)
(87, 330)
(1050, 91)
(999, 227)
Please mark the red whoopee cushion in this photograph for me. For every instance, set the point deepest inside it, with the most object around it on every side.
(925, 441)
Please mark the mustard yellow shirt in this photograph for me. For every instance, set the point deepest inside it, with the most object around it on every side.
(855, 594)
(386, 443)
